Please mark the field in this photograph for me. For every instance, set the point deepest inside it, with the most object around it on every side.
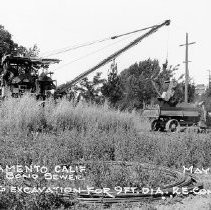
(65, 134)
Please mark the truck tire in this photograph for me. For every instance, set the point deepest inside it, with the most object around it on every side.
(172, 125)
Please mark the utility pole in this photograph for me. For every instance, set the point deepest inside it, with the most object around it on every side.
(186, 67)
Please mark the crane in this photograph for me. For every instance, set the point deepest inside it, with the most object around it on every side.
(114, 55)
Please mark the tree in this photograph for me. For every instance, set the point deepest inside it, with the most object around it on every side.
(143, 82)
(90, 91)
(138, 86)
(180, 92)
(111, 88)
(7, 45)
(31, 52)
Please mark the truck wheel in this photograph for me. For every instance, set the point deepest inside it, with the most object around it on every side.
(172, 125)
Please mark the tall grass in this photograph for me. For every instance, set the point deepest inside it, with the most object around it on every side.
(27, 114)
(62, 133)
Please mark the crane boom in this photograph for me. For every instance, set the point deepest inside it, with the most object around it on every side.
(116, 54)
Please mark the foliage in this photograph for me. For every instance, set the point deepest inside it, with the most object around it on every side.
(206, 97)
(26, 114)
(180, 90)
(7, 45)
(90, 91)
(61, 133)
(86, 90)
(112, 88)
(31, 52)
(144, 82)
(92, 126)
(137, 83)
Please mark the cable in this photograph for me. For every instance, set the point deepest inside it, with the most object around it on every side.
(117, 53)
(77, 47)
(114, 37)
(62, 50)
(93, 52)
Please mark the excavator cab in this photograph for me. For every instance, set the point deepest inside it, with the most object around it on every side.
(19, 75)
(15, 76)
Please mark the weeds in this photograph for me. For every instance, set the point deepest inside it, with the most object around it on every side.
(61, 133)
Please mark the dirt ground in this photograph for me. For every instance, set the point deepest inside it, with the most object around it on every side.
(192, 202)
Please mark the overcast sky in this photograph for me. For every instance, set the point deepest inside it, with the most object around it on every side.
(55, 24)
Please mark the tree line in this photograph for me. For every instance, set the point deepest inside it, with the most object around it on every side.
(141, 83)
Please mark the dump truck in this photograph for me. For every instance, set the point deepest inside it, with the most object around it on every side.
(167, 116)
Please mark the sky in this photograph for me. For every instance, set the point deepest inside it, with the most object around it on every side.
(57, 24)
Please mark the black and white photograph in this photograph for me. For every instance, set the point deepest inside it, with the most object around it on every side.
(105, 105)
